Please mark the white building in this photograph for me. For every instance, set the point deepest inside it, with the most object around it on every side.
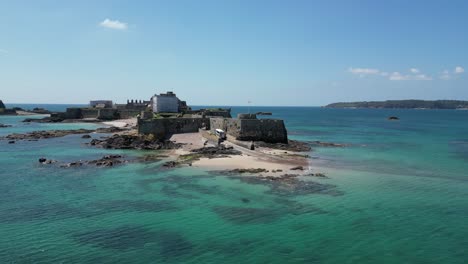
(165, 103)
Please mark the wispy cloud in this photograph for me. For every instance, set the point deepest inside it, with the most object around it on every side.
(3, 51)
(413, 75)
(448, 75)
(363, 72)
(459, 70)
(113, 24)
(396, 76)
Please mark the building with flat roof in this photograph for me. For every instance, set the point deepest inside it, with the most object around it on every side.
(165, 103)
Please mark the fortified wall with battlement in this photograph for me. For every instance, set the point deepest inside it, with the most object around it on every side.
(244, 128)
(249, 128)
(165, 127)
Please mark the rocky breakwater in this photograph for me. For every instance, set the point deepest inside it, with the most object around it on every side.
(129, 141)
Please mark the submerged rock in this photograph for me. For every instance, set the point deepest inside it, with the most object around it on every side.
(393, 118)
(86, 136)
(326, 144)
(3, 126)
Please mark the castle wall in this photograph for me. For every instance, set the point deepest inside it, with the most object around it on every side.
(165, 127)
(128, 113)
(89, 113)
(268, 130)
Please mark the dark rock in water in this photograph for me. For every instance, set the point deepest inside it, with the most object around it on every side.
(393, 118)
(245, 200)
(11, 142)
(293, 145)
(72, 164)
(46, 161)
(110, 129)
(170, 164)
(242, 171)
(44, 120)
(133, 142)
(3, 126)
(326, 144)
(298, 168)
(46, 134)
(86, 136)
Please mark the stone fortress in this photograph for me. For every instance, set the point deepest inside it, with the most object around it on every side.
(169, 117)
(165, 114)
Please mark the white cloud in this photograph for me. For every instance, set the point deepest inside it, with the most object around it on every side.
(363, 72)
(414, 70)
(396, 76)
(113, 24)
(459, 70)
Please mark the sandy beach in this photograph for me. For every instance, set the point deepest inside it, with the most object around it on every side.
(277, 162)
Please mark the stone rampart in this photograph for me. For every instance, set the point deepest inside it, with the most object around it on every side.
(267, 130)
(164, 127)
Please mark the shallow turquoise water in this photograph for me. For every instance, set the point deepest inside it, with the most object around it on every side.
(396, 194)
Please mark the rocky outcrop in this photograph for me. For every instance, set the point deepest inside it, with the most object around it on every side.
(44, 120)
(106, 161)
(35, 135)
(216, 152)
(393, 118)
(3, 126)
(2, 105)
(133, 142)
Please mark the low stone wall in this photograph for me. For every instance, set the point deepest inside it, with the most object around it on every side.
(128, 113)
(107, 114)
(267, 130)
(165, 127)
(89, 113)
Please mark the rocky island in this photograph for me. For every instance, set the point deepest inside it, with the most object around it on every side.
(207, 138)
(404, 104)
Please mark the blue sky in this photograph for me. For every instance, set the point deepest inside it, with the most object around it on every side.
(306, 53)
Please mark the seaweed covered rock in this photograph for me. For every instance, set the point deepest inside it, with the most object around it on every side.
(46, 134)
(133, 142)
(221, 150)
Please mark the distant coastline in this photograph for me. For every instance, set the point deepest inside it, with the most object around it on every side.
(404, 104)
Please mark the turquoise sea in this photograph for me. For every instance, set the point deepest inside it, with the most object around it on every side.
(398, 193)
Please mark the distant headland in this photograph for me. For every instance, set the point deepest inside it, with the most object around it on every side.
(404, 104)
